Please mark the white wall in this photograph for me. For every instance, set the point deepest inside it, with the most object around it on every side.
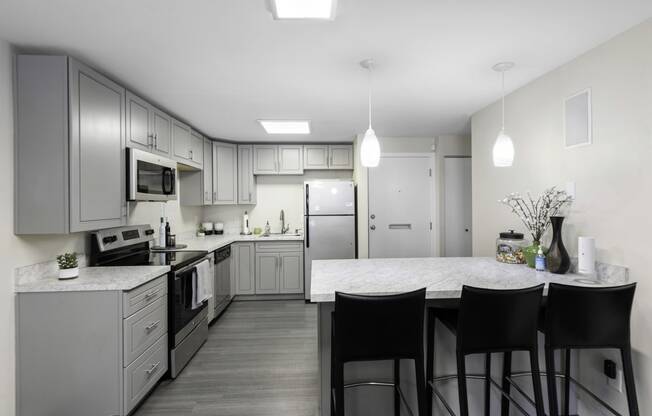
(613, 178)
(274, 193)
(450, 145)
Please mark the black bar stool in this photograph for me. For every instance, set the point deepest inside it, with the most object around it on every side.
(588, 318)
(488, 321)
(375, 328)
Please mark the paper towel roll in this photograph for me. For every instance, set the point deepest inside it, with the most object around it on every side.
(586, 255)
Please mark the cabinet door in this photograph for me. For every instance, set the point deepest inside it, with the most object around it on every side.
(267, 273)
(290, 159)
(340, 156)
(161, 125)
(265, 159)
(207, 173)
(181, 141)
(196, 148)
(291, 276)
(138, 119)
(225, 171)
(244, 268)
(315, 156)
(97, 150)
(246, 178)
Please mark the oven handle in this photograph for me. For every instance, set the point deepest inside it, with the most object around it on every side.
(189, 267)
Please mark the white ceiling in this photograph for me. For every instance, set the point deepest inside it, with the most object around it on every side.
(222, 64)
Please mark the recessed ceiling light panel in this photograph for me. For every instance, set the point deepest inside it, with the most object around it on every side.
(286, 126)
(304, 9)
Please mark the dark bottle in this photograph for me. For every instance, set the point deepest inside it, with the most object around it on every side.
(557, 259)
(167, 234)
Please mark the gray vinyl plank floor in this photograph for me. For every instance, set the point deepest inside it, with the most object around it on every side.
(260, 359)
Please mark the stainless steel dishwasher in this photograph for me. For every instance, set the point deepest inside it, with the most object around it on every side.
(222, 271)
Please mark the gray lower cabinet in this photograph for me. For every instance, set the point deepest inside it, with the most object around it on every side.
(279, 268)
(90, 353)
(243, 258)
(69, 147)
(246, 178)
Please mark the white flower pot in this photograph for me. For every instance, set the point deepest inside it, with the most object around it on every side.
(68, 273)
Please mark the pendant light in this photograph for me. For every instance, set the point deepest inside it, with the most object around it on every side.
(503, 152)
(370, 148)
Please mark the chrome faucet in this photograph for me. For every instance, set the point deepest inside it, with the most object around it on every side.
(284, 228)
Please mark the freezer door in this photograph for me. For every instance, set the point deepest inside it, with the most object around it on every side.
(327, 237)
(330, 198)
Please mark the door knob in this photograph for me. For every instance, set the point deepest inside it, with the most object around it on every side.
(373, 217)
(466, 229)
(373, 227)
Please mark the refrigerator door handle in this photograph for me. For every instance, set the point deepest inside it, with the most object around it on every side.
(307, 231)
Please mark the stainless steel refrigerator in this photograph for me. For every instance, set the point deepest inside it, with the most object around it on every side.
(329, 223)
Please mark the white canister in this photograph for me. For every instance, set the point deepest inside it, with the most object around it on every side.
(207, 226)
(219, 226)
(586, 255)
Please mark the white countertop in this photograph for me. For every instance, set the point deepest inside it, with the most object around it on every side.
(215, 242)
(96, 279)
(442, 277)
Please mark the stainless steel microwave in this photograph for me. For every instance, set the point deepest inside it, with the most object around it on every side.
(150, 177)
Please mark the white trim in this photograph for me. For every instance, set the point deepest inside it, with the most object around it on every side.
(589, 118)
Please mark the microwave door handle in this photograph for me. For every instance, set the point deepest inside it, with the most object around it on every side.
(168, 182)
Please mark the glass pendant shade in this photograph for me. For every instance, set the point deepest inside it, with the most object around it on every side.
(503, 150)
(370, 149)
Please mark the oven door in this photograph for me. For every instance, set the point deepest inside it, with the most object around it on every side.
(181, 307)
(150, 177)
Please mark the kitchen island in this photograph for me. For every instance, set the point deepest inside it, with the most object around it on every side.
(443, 278)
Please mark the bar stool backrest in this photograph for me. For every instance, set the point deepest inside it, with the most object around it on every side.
(368, 328)
(588, 317)
(498, 320)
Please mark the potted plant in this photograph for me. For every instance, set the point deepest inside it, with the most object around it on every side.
(68, 266)
(535, 215)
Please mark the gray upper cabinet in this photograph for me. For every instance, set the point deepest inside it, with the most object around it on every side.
(265, 159)
(246, 178)
(161, 125)
(225, 173)
(188, 147)
(148, 128)
(69, 147)
(290, 159)
(315, 156)
(272, 159)
(334, 156)
(207, 173)
(340, 156)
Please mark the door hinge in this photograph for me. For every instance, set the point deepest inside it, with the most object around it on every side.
(430, 172)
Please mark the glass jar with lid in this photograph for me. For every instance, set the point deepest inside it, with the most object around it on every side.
(509, 248)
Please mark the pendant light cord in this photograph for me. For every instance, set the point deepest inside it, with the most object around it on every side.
(503, 100)
(369, 69)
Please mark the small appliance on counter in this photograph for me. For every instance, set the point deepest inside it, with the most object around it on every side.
(509, 248)
(218, 228)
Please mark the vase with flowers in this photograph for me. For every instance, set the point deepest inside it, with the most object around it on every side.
(535, 215)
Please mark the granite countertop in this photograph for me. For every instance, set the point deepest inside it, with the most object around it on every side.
(96, 279)
(215, 242)
(442, 277)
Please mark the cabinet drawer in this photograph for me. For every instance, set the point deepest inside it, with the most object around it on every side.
(143, 328)
(279, 246)
(142, 374)
(144, 295)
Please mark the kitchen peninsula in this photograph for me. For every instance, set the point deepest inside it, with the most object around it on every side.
(443, 278)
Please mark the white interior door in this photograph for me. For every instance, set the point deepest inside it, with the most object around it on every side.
(400, 207)
(457, 207)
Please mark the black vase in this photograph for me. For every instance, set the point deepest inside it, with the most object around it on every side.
(557, 257)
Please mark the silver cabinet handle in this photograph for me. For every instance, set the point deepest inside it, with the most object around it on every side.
(151, 326)
(156, 140)
(191, 154)
(150, 140)
(249, 196)
(151, 294)
(214, 196)
(373, 227)
(152, 368)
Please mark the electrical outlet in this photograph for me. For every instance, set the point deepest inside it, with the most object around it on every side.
(617, 382)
